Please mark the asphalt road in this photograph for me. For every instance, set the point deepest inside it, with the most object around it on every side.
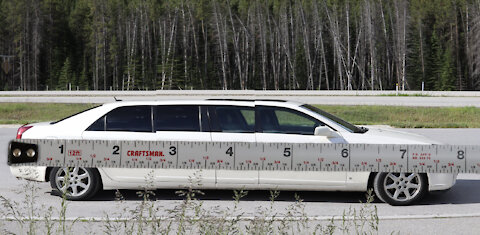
(456, 211)
(430, 99)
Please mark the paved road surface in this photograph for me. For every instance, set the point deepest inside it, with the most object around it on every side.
(455, 211)
(434, 99)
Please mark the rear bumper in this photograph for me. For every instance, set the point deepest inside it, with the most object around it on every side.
(35, 173)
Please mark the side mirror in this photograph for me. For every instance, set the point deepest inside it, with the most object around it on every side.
(325, 131)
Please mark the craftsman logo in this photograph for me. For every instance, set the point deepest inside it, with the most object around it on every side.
(132, 153)
(74, 153)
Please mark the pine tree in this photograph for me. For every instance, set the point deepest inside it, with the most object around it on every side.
(447, 72)
(434, 62)
(65, 75)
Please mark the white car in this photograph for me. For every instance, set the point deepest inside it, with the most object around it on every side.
(225, 120)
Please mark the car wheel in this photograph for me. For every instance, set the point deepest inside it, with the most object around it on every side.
(83, 183)
(400, 189)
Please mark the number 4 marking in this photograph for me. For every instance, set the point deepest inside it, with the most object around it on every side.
(229, 151)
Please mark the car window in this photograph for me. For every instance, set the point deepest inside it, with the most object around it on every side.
(177, 118)
(98, 125)
(285, 121)
(233, 119)
(128, 118)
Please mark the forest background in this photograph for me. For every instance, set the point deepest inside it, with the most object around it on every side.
(240, 44)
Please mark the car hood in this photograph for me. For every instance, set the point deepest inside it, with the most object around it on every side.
(389, 136)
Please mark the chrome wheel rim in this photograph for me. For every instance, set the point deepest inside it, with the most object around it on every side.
(76, 183)
(402, 186)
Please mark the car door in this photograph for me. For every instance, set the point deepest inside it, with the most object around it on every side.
(183, 123)
(285, 125)
(230, 123)
(124, 123)
(146, 122)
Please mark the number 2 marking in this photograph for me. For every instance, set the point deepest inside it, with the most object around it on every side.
(116, 148)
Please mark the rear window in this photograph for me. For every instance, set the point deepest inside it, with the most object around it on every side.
(55, 122)
(127, 118)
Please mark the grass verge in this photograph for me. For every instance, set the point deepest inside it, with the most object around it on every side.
(22, 113)
(396, 116)
(408, 117)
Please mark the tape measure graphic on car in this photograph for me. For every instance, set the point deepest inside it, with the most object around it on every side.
(246, 156)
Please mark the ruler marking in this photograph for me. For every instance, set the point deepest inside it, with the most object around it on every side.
(419, 158)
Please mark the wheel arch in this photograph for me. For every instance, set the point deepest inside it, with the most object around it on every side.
(47, 174)
(371, 178)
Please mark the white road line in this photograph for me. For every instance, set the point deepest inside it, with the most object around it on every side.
(252, 218)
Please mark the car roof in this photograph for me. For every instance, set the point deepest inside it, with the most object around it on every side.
(215, 101)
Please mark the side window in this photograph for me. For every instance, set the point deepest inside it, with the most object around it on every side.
(177, 118)
(232, 119)
(286, 121)
(98, 125)
(129, 118)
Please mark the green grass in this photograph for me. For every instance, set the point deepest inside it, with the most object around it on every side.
(403, 117)
(408, 117)
(21, 113)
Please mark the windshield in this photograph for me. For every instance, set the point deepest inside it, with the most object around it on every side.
(347, 125)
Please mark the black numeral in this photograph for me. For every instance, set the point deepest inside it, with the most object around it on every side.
(116, 148)
(461, 154)
(344, 153)
(61, 149)
(287, 152)
(229, 151)
(173, 150)
(404, 151)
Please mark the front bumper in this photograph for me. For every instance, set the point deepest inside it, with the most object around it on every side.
(441, 181)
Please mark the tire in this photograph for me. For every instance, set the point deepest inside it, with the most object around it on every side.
(83, 182)
(400, 189)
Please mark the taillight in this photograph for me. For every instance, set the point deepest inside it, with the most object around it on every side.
(22, 130)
